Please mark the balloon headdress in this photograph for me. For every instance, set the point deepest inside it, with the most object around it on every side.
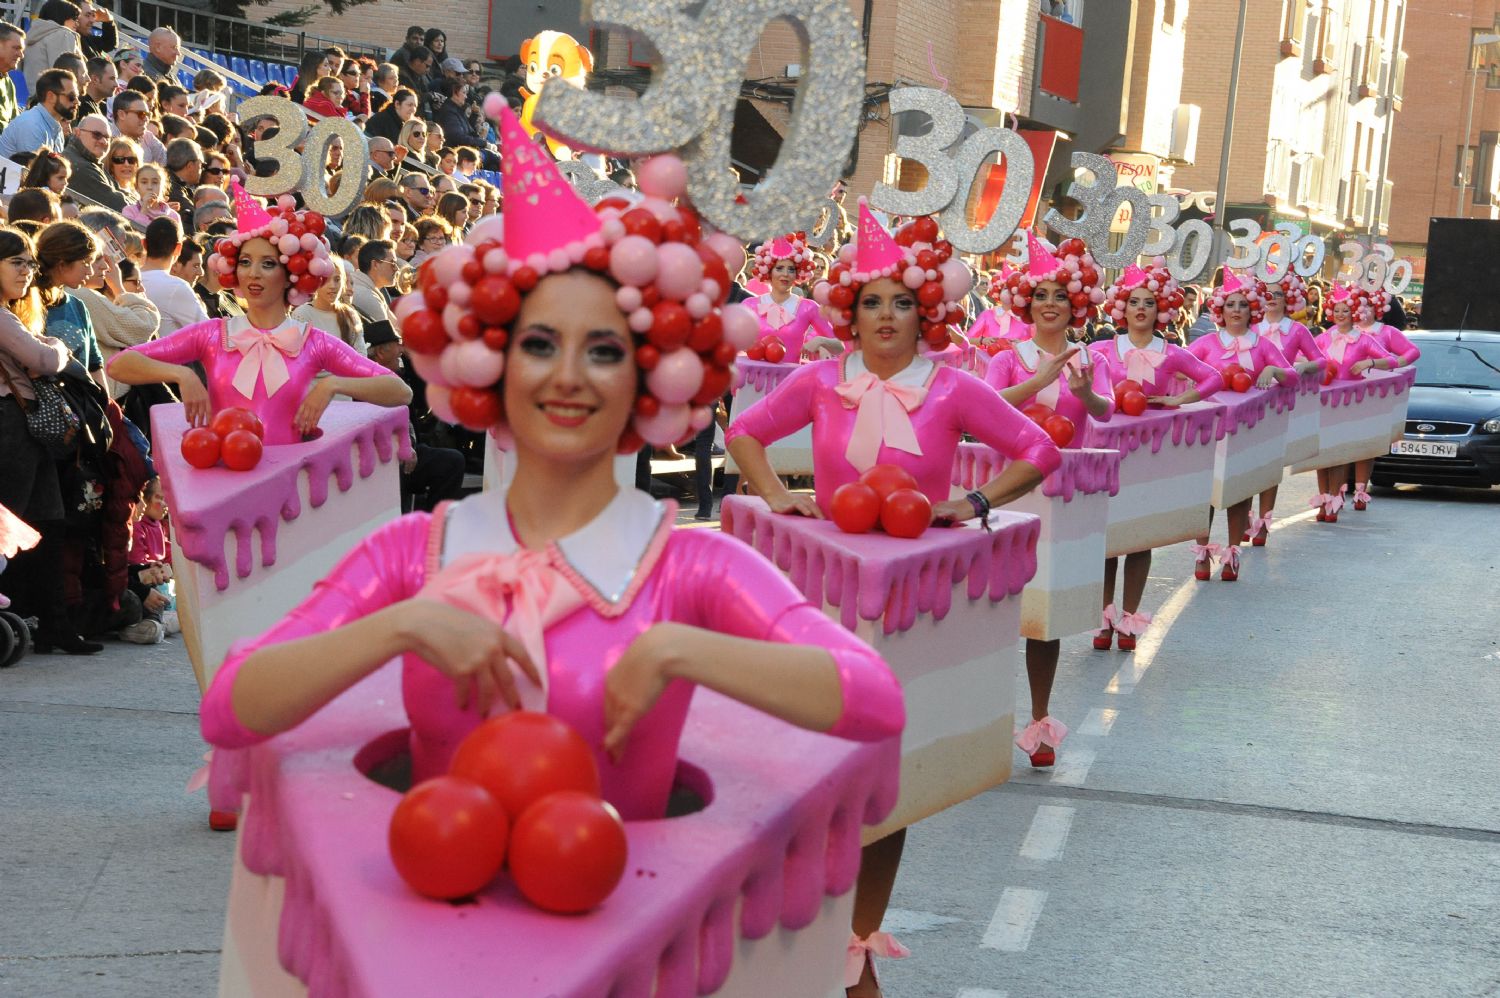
(914, 256)
(1295, 290)
(296, 235)
(1253, 290)
(672, 283)
(997, 282)
(793, 247)
(1154, 278)
(1070, 265)
(1368, 305)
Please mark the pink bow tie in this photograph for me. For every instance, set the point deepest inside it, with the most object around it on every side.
(1240, 355)
(882, 418)
(875, 944)
(1338, 343)
(1141, 364)
(524, 592)
(777, 314)
(265, 352)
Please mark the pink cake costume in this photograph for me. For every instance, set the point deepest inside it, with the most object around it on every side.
(577, 604)
(997, 328)
(788, 321)
(1344, 350)
(1251, 351)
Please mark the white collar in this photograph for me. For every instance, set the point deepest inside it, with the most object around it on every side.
(239, 323)
(605, 552)
(1031, 354)
(1123, 346)
(914, 375)
(1238, 342)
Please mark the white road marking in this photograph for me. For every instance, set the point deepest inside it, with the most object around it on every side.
(980, 993)
(1148, 644)
(1279, 523)
(1014, 921)
(900, 921)
(1072, 767)
(1048, 835)
(1098, 723)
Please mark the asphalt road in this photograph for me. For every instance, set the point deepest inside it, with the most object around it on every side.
(1290, 789)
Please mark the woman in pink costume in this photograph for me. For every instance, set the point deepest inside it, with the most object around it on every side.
(1236, 305)
(264, 361)
(1351, 351)
(1295, 341)
(785, 263)
(1145, 303)
(1403, 353)
(998, 326)
(563, 592)
(883, 403)
(1048, 371)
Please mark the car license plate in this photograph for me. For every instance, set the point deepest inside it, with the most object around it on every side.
(1424, 448)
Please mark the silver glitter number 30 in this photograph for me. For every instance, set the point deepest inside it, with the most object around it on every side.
(1101, 199)
(690, 105)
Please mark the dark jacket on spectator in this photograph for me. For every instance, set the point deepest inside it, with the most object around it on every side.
(456, 127)
(102, 44)
(89, 178)
(180, 192)
(127, 473)
(384, 124)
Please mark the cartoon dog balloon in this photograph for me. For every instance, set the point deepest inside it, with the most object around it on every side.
(545, 55)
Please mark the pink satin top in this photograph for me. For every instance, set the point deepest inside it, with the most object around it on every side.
(1251, 351)
(1166, 362)
(998, 323)
(1292, 338)
(696, 577)
(954, 403)
(1015, 366)
(276, 366)
(1395, 343)
(1346, 351)
(790, 321)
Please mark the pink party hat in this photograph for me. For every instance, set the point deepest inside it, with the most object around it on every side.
(542, 212)
(249, 214)
(1341, 292)
(1040, 263)
(1232, 283)
(781, 249)
(1134, 277)
(876, 252)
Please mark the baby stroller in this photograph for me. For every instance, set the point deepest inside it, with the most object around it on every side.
(15, 633)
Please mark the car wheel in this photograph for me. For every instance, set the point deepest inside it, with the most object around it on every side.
(1382, 481)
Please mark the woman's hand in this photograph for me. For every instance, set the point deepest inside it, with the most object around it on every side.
(194, 398)
(1049, 369)
(952, 511)
(1081, 378)
(1308, 366)
(634, 683)
(1166, 401)
(470, 650)
(312, 407)
(1267, 376)
(794, 504)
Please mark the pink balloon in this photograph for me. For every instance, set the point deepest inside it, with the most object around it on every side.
(632, 261)
(662, 176)
(701, 417)
(472, 363)
(489, 229)
(406, 305)
(448, 265)
(730, 250)
(309, 242)
(914, 277)
(676, 377)
(430, 368)
(289, 244)
(740, 326)
(958, 280)
(668, 426)
(440, 401)
(820, 293)
(628, 299)
(452, 312)
(679, 271)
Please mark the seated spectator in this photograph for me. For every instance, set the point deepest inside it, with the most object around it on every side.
(436, 42)
(55, 99)
(450, 120)
(172, 99)
(326, 97)
(413, 138)
(114, 232)
(85, 152)
(124, 160)
(466, 160)
(453, 208)
(368, 221)
(436, 139)
(474, 195)
(380, 190)
(216, 171)
(128, 64)
(395, 210)
(163, 52)
(100, 83)
(434, 474)
(356, 102)
(416, 191)
(447, 161)
(48, 169)
(406, 243)
(33, 204)
(414, 35)
(415, 72)
(12, 47)
(383, 86)
(97, 34)
(210, 205)
(132, 112)
(185, 170)
(175, 126)
(385, 164)
(433, 236)
(151, 204)
(54, 30)
(174, 297)
(388, 122)
(376, 266)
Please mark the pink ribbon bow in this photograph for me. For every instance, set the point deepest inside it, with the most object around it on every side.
(1340, 342)
(1206, 552)
(1232, 557)
(1141, 365)
(777, 314)
(1256, 522)
(882, 418)
(265, 353)
(1049, 729)
(1360, 495)
(524, 592)
(1133, 624)
(881, 944)
(1335, 502)
(1108, 618)
(1239, 355)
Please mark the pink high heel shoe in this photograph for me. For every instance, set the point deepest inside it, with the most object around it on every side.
(1231, 570)
(1203, 560)
(1103, 639)
(1041, 739)
(1130, 627)
(1361, 497)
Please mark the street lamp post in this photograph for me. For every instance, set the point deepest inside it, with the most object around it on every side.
(1221, 193)
(1476, 43)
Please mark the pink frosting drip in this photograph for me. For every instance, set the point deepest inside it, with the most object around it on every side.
(762, 375)
(780, 832)
(208, 504)
(1082, 471)
(876, 577)
(1246, 410)
(1378, 383)
(1197, 423)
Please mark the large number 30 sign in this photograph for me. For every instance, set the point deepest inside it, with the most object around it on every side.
(304, 172)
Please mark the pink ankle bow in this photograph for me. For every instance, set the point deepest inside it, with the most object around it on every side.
(1133, 624)
(1049, 729)
(875, 944)
(1205, 552)
(1108, 618)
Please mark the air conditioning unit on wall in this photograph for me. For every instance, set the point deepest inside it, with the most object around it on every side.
(1185, 133)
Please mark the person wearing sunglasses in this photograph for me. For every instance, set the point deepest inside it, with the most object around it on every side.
(122, 161)
(215, 171)
(54, 102)
(416, 192)
(85, 152)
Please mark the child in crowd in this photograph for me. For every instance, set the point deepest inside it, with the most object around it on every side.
(150, 181)
(151, 558)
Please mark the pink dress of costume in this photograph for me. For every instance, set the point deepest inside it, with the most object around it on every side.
(1395, 343)
(914, 419)
(1348, 349)
(266, 371)
(1019, 364)
(1292, 338)
(1157, 366)
(998, 323)
(577, 605)
(1252, 351)
(789, 321)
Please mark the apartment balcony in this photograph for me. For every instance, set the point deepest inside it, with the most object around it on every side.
(1057, 83)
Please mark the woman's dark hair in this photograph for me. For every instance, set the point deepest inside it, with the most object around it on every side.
(403, 93)
(128, 269)
(43, 167)
(145, 86)
(60, 244)
(453, 209)
(58, 11)
(433, 34)
(15, 241)
(221, 126)
(307, 72)
(32, 204)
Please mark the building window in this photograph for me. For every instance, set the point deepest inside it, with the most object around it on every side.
(1070, 11)
(1293, 27)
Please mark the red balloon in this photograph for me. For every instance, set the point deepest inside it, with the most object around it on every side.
(841, 296)
(476, 408)
(523, 756)
(887, 478)
(596, 258)
(1241, 382)
(670, 325)
(926, 229)
(473, 271)
(944, 249)
(1133, 403)
(641, 222)
(930, 294)
(1036, 412)
(200, 447)
(775, 351)
(314, 223)
(757, 352)
(706, 333)
(725, 353)
(495, 300)
(928, 260)
(1230, 371)
(309, 283)
(241, 450)
(647, 357)
(524, 278)
(297, 265)
(1060, 428)
(855, 508)
(448, 837)
(647, 405)
(423, 332)
(567, 852)
(226, 421)
(1329, 373)
(495, 337)
(1128, 386)
(230, 280)
(905, 513)
(716, 381)
(905, 236)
